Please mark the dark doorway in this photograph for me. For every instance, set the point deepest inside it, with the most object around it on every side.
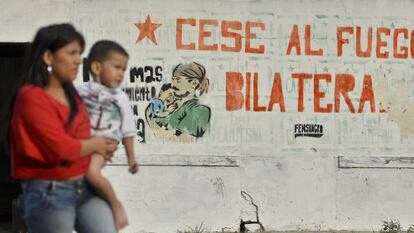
(11, 62)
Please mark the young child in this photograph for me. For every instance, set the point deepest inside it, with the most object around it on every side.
(165, 103)
(110, 115)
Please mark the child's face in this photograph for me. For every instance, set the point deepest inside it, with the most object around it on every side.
(167, 96)
(113, 69)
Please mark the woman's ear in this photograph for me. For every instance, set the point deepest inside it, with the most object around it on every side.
(48, 57)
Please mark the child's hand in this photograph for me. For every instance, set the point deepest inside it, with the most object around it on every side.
(133, 167)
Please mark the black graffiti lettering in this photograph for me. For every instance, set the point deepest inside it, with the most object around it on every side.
(158, 73)
(136, 73)
(146, 94)
(135, 109)
(141, 130)
(149, 78)
(308, 130)
(129, 92)
(140, 93)
(147, 74)
(153, 92)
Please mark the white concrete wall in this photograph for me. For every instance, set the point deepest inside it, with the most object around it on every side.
(297, 183)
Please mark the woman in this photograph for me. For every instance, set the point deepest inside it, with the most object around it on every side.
(49, 136)
(182, 117)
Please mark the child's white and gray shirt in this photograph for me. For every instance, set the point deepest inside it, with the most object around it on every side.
(109, 110)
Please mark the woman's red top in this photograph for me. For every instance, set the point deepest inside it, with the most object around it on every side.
(42, 146)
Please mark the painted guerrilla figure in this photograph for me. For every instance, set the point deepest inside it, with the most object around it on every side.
(176, 114)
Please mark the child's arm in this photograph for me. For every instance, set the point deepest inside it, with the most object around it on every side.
(128, 130)
(129, 149)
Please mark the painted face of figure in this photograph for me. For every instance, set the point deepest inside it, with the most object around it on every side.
(112, 70)
(168, 96)
(65, 62)
(184, 86)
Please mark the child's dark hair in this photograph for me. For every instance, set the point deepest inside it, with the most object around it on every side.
(166, 86)
(101, 50)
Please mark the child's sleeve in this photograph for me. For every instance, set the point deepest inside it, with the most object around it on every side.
(128, 128)
(81, 89)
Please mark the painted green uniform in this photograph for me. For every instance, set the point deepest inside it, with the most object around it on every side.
(191, 117)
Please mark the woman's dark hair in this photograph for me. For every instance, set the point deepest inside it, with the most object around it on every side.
(101, 50)
(52, 38)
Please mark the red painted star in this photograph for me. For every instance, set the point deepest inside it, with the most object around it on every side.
(147, 30)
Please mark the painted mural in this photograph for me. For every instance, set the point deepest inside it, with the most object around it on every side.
(176, 114)
(273, 81)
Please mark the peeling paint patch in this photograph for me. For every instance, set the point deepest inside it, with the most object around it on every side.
(394, 100)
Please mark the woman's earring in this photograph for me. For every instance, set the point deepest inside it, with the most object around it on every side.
(49, 69)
